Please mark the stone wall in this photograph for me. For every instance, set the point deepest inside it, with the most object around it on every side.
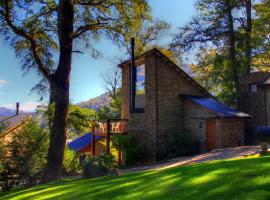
(195, 122)
(230, 132)
(257, 103)
(142, 124)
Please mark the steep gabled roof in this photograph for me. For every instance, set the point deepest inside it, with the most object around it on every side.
(218, 108)
(172, 65)
(13, 122)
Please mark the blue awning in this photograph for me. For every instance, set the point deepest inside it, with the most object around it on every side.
(82, 142)
(217, 107)
(263, 130)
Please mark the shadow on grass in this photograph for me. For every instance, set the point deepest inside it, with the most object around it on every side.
(231, 179)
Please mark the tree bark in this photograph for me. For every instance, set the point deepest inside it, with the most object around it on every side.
(60, 82)
(248, 29)
(232, 51)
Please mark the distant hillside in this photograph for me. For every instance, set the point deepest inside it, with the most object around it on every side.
(6, 111)
(9, 112)
(97, 102)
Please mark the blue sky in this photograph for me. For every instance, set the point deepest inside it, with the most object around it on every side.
(86, 81)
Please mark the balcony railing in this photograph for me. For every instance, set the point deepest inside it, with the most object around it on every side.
(106, 129)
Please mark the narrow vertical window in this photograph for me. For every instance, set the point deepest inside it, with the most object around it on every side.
(140, 87)
(253, 88)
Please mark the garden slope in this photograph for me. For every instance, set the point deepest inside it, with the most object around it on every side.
(247, 178)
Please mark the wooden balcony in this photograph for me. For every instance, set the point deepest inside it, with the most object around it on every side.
(106, 129)
(110, 126)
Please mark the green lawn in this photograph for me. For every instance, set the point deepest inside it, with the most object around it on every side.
(229, 179)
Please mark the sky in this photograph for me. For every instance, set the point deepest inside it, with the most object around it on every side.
(86, 74)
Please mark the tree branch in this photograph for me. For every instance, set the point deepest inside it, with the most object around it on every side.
(31, 40)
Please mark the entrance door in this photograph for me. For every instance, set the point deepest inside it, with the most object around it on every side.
(211, 135)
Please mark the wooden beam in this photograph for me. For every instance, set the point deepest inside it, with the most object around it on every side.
(94, 140)
(108, 141)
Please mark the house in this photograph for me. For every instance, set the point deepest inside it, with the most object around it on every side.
(12, 125)
(159, 99)
(255, 100)
(84, 144)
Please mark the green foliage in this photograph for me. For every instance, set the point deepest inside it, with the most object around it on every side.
(260, 36)
(177, 144)
(27, 153)
(225, 40)
(3, 126)
(134, 150)
(212, 71)
(98, 166)
(114, 108)
(71, 162)
(79, 119)
(3, 152)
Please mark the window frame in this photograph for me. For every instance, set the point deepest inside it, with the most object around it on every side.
(250, 88)
(133, 79)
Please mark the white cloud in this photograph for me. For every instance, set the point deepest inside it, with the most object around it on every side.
(3, 83)
(26, 107)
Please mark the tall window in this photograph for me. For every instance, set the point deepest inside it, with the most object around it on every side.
(253, 88)
(140, 87)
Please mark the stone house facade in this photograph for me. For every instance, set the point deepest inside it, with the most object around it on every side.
(159, 99)
(255, 100)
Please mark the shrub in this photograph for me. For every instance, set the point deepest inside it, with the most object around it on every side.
(177, 144)
(71, 162)
(134, 150)
(98, 166)
(27, 152)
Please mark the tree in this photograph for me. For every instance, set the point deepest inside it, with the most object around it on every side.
(112, 81)
(260, 36)
(79, 119)
(217, 26)
(40, 30)
(27, 153)
(211, 71)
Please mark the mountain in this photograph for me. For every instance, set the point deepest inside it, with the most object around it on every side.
(97, 102)
(9, 112)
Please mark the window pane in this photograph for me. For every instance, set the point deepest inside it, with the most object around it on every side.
(253, 88)
(140, 87)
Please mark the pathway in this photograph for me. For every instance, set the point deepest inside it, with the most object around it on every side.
(218, 154)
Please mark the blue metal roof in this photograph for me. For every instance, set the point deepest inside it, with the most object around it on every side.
(219, 108)
(263, 130)
(82, 142)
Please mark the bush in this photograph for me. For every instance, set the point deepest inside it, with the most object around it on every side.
(177, 144)
(134, 150)
(98, 166)
(27, 152)
(71, 162)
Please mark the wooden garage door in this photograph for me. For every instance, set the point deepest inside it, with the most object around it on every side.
(211, 135)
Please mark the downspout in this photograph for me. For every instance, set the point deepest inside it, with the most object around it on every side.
(132, 76)
(265, 107)
(157, 116)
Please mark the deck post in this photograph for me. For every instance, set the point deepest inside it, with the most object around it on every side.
(94, 139)
(108, 136)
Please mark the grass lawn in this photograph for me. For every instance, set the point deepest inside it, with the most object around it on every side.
(237, 179)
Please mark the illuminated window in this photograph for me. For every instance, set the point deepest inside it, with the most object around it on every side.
(140, 87)
(253, 88)
(137, 100)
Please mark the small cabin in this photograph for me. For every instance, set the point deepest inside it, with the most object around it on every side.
(159, 99)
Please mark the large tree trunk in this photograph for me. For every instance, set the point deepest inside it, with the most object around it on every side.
(232, 51)
(60, 93)
(248, 29)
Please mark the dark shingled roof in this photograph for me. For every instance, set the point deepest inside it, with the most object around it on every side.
(13, 121)
(220, 109)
